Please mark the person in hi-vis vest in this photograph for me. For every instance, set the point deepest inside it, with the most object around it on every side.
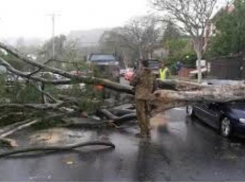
(164, 72)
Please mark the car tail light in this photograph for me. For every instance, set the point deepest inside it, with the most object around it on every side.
(99, 87)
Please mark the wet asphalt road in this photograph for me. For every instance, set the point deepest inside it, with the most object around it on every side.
(183, 150)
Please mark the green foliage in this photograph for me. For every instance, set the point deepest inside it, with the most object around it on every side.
(171, 33)
(16, 63)
(180, 50)
(20, 92)
(179, 47)
(68, 56)
(89, 99)
(230, 38)
(47, 49)
(3, 91)
(48, 124)
(28, 94)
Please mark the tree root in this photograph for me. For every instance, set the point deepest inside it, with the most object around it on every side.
(57, 148)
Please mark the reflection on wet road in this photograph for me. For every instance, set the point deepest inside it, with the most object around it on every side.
(180, 149)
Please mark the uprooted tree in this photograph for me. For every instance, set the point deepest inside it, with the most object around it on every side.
(171, 94)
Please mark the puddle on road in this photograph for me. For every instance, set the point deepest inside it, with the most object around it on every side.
(57, 136)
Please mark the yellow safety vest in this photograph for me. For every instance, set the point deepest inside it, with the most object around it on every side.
(163, 73)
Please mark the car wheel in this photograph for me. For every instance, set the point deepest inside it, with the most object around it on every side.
(225, 127)
(190, 111)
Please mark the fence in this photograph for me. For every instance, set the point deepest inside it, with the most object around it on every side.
(185, 72)
(230, 67)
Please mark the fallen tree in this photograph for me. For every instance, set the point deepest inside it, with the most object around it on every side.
(184, 92)
(171, 93)
(71, 77)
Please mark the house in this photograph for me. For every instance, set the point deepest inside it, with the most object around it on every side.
(210, 29)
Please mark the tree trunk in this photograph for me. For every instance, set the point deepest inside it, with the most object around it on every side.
(141, 56)
(165, 100)
(199, 68)
(198, 46)
(44, 99)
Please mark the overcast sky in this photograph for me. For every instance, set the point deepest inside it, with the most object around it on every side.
(30, 18)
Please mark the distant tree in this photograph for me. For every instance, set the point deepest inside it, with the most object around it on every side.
(171, 32)
(73, 56)
(69, 55)
(138, 37)
(111, 42)
(142, 34)
(179, 46)
(193, 18)
(230, 34)
(59, 42)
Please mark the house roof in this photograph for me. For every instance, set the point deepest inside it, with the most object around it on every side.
(102, 57)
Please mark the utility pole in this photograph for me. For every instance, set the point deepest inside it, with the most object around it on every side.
(53, 35)
(53, 16)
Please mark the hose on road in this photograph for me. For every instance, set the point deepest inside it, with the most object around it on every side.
(57, 148)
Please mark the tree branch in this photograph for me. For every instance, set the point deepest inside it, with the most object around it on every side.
(45, 93)
(58, 148)
(82, 79)
(34, 106)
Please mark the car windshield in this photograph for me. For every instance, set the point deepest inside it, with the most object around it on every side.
(154, 64)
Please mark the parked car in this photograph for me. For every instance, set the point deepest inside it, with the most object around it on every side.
(128, 75)
(154, 66)
(104, 66)
(13, 78)
(227, 118)
(122, 72)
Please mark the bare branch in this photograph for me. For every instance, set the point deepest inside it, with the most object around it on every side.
(24, 75)
(34, 106)
(45, 93)
(192, 15)
(73, 78)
